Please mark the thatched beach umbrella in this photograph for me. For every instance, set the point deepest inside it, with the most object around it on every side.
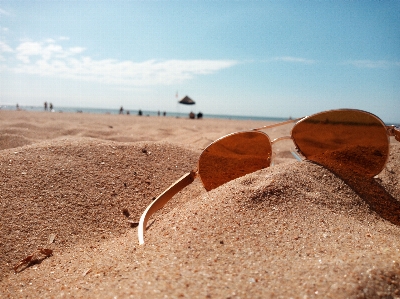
(187, 101)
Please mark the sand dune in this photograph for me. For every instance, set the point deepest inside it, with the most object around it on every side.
(292, 230)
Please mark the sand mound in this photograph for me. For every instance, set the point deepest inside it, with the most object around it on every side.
(79, 189)
(297, 231)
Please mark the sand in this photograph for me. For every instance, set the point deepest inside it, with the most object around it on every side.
(76, 183)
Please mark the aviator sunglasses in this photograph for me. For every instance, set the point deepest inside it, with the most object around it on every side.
(345, 141)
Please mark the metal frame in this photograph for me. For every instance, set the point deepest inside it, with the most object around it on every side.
(188, 178)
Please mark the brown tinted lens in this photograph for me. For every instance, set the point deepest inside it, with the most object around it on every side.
(344, 141)
(234, 156)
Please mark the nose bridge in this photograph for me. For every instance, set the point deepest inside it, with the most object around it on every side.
(281, 138)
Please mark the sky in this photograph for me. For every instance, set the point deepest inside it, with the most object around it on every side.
(250, 58)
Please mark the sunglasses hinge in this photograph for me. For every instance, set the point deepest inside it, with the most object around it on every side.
(194, 173)
(390, 130)
(393, 131)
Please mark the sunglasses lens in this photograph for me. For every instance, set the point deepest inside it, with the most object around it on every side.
(233, 156)
(344, 141)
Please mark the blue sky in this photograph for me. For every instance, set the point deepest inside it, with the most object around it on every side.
(257, 58)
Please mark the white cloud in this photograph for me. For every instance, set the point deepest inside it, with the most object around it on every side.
(4, 12)
(50, 59)
(373, 64)
(50, 40)
(5, 48)
(76, 50)
(294, 59)
(45, 51)
(28, 49)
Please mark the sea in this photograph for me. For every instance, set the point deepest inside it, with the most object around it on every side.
(144, 113)
(150, 113)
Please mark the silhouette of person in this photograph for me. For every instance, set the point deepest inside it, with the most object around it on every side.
(191, 115)
(45, 106)
(140, 113)
(121, 110)
(199, 115)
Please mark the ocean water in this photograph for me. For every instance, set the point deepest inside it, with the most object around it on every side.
(145, 113)
(150, 113)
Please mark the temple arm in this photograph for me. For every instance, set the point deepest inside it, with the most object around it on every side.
(161, 200)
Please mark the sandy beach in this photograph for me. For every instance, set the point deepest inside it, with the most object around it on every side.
(76, 184)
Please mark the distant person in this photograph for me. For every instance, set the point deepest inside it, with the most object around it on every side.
(191, 115)
(140, 113)
(127, 112)
(199, 115)
(17, 107)
(121, 110)
(164, 113)
(51, 107)
(158, 113)
(45, 106)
